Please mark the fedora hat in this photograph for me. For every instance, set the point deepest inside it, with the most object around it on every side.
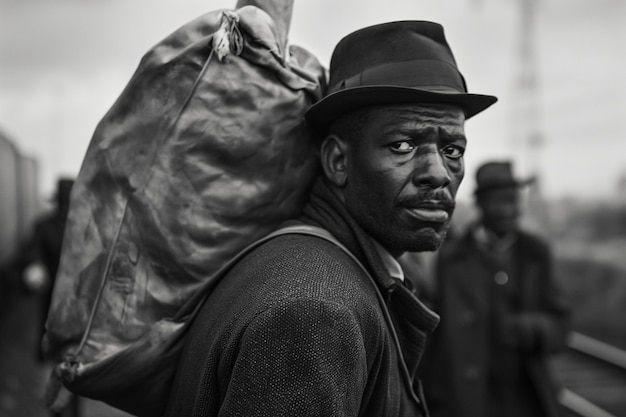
(493, 175)
(394, 63)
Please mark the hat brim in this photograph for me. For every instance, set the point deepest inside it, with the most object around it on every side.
(325, 111)
(516, 183)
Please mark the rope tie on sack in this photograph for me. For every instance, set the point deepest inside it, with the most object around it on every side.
(228, 38)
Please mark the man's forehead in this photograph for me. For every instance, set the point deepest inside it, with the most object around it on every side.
(449, 117)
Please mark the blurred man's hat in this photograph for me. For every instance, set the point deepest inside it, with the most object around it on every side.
(394, 63)
(494, 175)
(64, 188)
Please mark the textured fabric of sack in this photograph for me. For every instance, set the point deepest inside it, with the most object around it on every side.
(204, 152)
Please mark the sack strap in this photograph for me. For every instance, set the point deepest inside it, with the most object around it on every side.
(326, 235)
(193, 305)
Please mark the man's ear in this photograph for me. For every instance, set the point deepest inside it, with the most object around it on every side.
(334, 160)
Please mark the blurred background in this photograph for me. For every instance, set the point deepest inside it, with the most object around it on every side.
(557, 67)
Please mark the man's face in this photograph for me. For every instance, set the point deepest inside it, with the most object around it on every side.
(500, 209)
(403, 173)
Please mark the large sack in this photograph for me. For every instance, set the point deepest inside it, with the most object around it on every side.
(204, 152)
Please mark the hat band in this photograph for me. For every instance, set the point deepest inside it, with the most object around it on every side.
(428, 74)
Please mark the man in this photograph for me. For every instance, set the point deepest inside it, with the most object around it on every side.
(40, 262)
(297, 328)
(42, 252)
(501, 313)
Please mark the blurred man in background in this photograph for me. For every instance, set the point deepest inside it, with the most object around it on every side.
(501, 313)
(40, 262)
(43, 250)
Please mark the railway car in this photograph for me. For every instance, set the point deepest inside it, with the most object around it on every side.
(19, 206)
(9, 207)
(28, 198)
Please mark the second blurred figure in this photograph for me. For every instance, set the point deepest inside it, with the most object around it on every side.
(501, 312)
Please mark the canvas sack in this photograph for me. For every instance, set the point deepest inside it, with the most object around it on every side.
(205, 151)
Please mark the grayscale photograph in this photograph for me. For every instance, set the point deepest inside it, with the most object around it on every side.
(312, 208)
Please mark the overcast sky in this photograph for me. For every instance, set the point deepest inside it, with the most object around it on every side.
(64, 62)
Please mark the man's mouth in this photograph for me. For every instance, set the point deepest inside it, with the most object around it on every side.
(434, 211)
(429, 214)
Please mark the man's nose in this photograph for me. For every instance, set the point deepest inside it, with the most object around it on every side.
(509, 210)
(431, 171)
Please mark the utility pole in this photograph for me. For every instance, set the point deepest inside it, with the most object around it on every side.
(527, 136)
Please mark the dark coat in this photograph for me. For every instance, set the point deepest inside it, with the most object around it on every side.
(44, 246)
(478, 336)
(295, 329)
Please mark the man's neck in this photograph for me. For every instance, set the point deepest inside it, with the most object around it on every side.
(493, 240)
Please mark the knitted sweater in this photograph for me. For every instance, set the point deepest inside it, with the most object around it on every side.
(296, 329)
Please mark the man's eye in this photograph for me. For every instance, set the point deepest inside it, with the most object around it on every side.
(403, 146)
(453, 151)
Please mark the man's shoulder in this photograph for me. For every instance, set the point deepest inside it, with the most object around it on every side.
(303, 265)
(532, 241)
(303, 254)
(295, 273)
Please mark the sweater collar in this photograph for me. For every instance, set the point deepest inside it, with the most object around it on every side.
(390, 263)
(324, 209)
